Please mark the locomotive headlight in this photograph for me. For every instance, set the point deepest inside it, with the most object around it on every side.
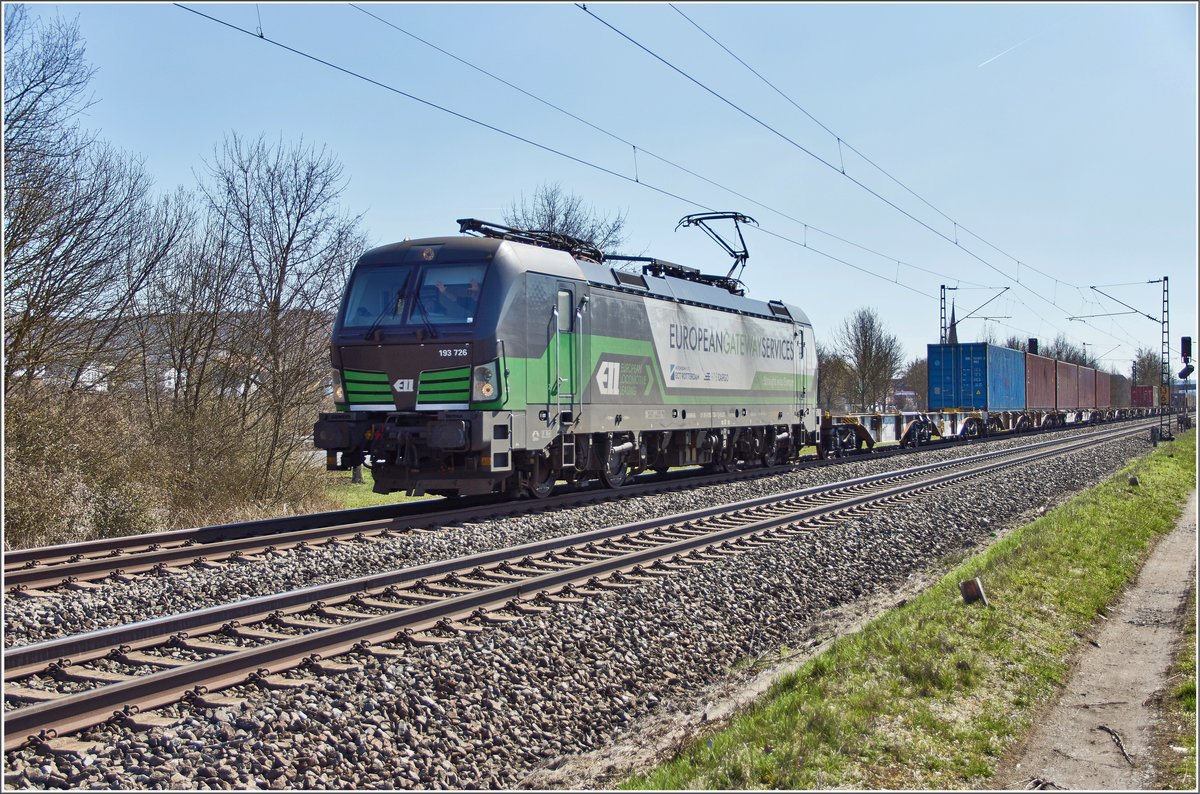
(485, 381)
(339, 394)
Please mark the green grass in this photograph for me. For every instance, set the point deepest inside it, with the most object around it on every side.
(1178, 769)
(930, 695)
(347, 495)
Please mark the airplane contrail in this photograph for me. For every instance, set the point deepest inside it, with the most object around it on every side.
(1006, 52)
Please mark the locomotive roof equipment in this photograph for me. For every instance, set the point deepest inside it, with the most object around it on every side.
(580, 249)
(740, 255)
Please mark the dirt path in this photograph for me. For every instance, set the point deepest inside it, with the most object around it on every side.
(1099, 734)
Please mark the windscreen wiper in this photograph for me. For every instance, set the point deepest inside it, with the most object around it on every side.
(397, 307)
(425, 317)
(383, 313)
(394, 308)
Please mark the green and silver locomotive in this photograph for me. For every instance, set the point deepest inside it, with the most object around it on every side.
(504, 361)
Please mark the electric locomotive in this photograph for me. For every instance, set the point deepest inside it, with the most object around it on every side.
(506, 360)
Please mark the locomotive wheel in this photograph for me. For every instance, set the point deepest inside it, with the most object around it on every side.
(615, 472)
(723, 461)
(770, 455)
(541, 479)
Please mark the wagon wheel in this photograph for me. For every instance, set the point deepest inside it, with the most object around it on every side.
(541, 478)
(845, 440)
(660, 470)
(971, 429)
(615, 472)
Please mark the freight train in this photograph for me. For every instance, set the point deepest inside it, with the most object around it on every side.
(977, 389)
(504, 360)
(998, 388)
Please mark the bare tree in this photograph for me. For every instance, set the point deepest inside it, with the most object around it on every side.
(916, 379)
(45, 88)
(552, 209)
(1064, 349)
(181, 325)
(833, 383)
(212, 315)
(1147, 367)
(81, 231)
(293, 249)
(1014, 342)
(873, 357)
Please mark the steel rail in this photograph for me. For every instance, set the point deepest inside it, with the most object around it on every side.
(95, 560)
(22, 660)
(90, 561)
(464, 508)
(22, 566)
(73, 712)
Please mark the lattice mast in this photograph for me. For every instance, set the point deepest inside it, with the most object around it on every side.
(1165, 417)
(942, 336)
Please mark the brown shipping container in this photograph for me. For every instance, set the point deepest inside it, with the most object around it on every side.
(1103, 390)
(1039, 383)
(1142, 396)
(1119, 391)
(1087, 387)
(1068, 386)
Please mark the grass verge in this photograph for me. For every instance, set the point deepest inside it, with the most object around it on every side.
(347, 495)
(931, 694)
(1177, 741)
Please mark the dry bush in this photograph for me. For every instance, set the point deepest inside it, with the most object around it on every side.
(216, 471)
(81, 466)
(76, 468)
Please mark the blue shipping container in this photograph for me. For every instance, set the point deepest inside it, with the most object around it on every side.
(976, 377)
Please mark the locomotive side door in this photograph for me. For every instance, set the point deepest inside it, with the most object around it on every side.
(800, 383)
(553, 380)
(565, 346)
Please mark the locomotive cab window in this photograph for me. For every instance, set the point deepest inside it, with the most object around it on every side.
(566, 311)
(448, 294)
(378, 296)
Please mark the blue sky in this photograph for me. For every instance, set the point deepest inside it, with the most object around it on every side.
(1062, 134)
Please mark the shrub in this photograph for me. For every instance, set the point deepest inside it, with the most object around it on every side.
(80, 466)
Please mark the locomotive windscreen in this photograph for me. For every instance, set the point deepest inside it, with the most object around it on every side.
(450, 293)
(377, 296)
(404, 294)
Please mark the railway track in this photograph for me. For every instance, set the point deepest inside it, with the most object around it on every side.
(76, 565)
(28, 572)
(117, 673)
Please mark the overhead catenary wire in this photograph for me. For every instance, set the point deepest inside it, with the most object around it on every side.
(843, 142)
(636, 148)
(574, 158)
(493, 128)
(823, 161)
